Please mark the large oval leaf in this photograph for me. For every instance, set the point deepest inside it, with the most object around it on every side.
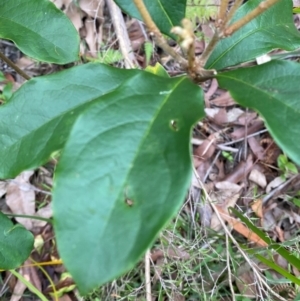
(37, 119)
(39, 30)
(16, 243)
(273, 29)
(273, 90)
(165, 13)
(123, 174)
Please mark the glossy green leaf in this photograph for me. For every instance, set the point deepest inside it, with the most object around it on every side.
(165, 13)
(272, 89)
(37, 119)
(123, 174)
(16, 243)
(273, 29)
(40, 30)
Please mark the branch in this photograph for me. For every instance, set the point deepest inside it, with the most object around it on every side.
(14, 66)
(158, 37)
(263, 6)
(122, 34)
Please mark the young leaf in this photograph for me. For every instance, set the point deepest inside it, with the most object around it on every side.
(37, 119)
(165, 13)
(273, 29)
(272, 89)
(40, 30)
(123, 174)
(16, 243)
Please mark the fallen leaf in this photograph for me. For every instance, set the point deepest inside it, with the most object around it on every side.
(258, 178)
(20, 198)
(92, 8)
(241, 228)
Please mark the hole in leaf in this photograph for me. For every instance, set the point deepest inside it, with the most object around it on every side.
(174, 125)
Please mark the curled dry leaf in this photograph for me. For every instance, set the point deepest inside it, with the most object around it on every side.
(241, 171)
(74, 15)
(274, 183)
(256, 148)
(258, 178)
(20, 198)
(92, 8)
(91, 36)
(45, 212)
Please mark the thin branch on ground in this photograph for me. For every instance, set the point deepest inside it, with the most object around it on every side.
(147, 276)
(14, 66)
(229, 269)
(122, 34)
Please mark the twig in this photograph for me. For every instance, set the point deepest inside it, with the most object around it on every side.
(14, 66)
(147, 276)
(279, 188)
(229, 269)
(233, 9)
(222, 13)
(158, 37)
(263, 6)
(122, 34)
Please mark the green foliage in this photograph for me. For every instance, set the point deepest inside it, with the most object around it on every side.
(200, 10)
(124, 134)
(165, 13)
(110, 56)
(123, 205)
(287, 168)
(26, 23)
(273, 29)
(16, 243)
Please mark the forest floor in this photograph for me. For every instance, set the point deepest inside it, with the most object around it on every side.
(197, 257)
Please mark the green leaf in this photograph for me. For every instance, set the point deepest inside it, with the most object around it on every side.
(158, 69)
(123, 174)
(165, 13)
(40, 30)
(292, 259)
(273, 29)
(272, 89)
(16, 243)
(37, 119)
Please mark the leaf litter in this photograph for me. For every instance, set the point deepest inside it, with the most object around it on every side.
(234, 157)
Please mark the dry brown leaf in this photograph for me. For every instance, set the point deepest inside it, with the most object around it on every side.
(258, 178)
(226, 197)
(30, 274)
(256, 148)
(241, 171)
(45, 212)
(241, 228)
(74, 15)
(275, 183)
(224, 100)
(20, 198)
(18, 291)
(3, 188)
(91, 36)
(92, 8)
(257, 207)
